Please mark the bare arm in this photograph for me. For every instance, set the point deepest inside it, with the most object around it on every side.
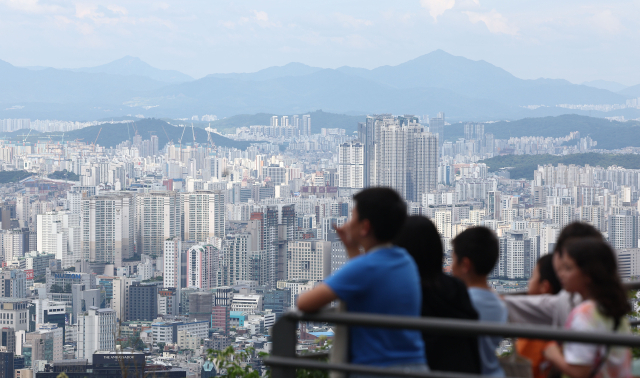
(316, 298)
(554, 355)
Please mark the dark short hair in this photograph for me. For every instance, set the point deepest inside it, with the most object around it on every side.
(547, 273)
(575, 230)
(385, 210)
(420, 237)
(480, 245)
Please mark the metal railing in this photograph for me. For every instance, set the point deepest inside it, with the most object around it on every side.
(284, 360)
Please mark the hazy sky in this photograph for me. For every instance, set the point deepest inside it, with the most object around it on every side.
(570, 39)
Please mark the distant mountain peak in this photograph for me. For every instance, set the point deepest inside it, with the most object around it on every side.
(131, 65)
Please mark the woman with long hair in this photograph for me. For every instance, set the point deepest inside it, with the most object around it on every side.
(588, 267)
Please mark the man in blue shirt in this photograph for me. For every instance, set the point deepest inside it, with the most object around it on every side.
(382, 280)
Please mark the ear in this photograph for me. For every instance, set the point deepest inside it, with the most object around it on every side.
(545, 287)
(467, 266)
(365, 228)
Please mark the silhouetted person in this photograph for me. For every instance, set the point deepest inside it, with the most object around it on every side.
(443, 296)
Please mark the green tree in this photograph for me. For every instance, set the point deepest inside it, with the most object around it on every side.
(161, 346)
(229, 363)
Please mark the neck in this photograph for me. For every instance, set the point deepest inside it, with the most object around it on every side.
(369, 244)
(477, 282)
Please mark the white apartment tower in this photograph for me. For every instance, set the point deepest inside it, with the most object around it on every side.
(97, 330)
(351, 165)
(202, 266)
(172, 249)
(108, 227)
(59, 233)
(235, 261)
(306, 125)
(204, 215)
(406, 157)
(159, 217)
(309, 260)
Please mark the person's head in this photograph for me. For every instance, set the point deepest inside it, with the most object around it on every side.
(543, 278)
(378, 214)
(419, 236)
(475, 253)
(575, 230)
(589, 268)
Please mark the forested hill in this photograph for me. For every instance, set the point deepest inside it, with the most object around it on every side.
(523, 166)
(114, 134)
(609, 134)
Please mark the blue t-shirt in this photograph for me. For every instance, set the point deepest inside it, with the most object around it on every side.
(383, 281)
(490, 308)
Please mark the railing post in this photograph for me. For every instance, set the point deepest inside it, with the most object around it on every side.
(284, 340)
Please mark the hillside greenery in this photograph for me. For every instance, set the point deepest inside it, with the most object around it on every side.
(319, 120)
(114, 134)
(64, 175)
(609, 134)
(523, 166)
(13, 176)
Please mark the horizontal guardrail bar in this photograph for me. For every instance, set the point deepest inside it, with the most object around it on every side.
(466, 327)
(364, 369)
(631, 285)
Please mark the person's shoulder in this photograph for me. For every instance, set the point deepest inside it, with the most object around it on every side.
(586, 308)
(487, 299)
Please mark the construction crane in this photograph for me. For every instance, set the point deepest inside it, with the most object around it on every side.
(193, 132)
(169, 140)
(184, 128)
(213, 145)
(25, 138)
(95, 141)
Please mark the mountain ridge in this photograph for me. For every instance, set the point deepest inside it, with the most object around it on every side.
(433, 82)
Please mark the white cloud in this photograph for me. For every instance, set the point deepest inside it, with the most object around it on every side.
(261, 16)
(607, 22)
(352, 22)
(437, 7)
(30, 6)
(495, 22)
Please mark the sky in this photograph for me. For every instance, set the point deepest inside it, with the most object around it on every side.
(569, 39)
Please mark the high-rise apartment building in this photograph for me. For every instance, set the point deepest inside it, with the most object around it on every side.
(202, 266)
(235, 261)
(406, 157)
(306, 124)
(309, 260)
(108, 227)
(623, 231)
(97, 330)
(143, 301)
(172, 263)
(351, 165)
(159, 217)
(59, 233)
(436, 127)
(13, 283)
(263, 227)
(204, 215)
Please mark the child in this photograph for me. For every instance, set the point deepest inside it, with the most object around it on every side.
(543, 281)
(475, 252)
(550, 309)
(588, 267)
(383, 280)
